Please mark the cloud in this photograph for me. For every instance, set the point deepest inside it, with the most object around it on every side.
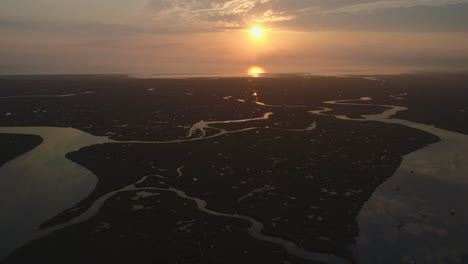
(390, 4)
(307, 15)
(188, 12)
(418, 18)
(98, 28)
(188, 16)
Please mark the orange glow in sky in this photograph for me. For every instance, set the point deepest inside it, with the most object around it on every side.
(228, 36)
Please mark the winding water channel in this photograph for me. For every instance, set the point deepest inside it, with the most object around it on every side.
(419, 214)
(43, 183)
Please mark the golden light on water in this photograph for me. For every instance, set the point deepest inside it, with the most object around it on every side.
(257, 32)
(255, 71)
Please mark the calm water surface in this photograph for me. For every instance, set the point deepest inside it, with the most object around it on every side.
(41, 183)
(419, 215)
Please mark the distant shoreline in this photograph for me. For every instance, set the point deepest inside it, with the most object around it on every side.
(223, 75)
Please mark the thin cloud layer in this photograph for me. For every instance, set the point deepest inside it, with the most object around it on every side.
(308, 14)
(188, 16)
(108, 36)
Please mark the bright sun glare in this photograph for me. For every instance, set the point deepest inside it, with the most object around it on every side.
(257, 32)
(255, 71)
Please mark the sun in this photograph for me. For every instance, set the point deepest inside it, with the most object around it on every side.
(257, 32)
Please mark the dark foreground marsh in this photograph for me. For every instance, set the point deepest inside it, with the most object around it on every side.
(238, 170)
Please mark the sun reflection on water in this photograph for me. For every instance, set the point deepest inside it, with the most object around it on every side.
(255, 71)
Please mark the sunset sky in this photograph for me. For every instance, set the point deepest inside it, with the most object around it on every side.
(212, 36)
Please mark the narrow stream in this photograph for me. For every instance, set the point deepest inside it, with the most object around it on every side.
(46, 95)
(419, 215)
(255, 229)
